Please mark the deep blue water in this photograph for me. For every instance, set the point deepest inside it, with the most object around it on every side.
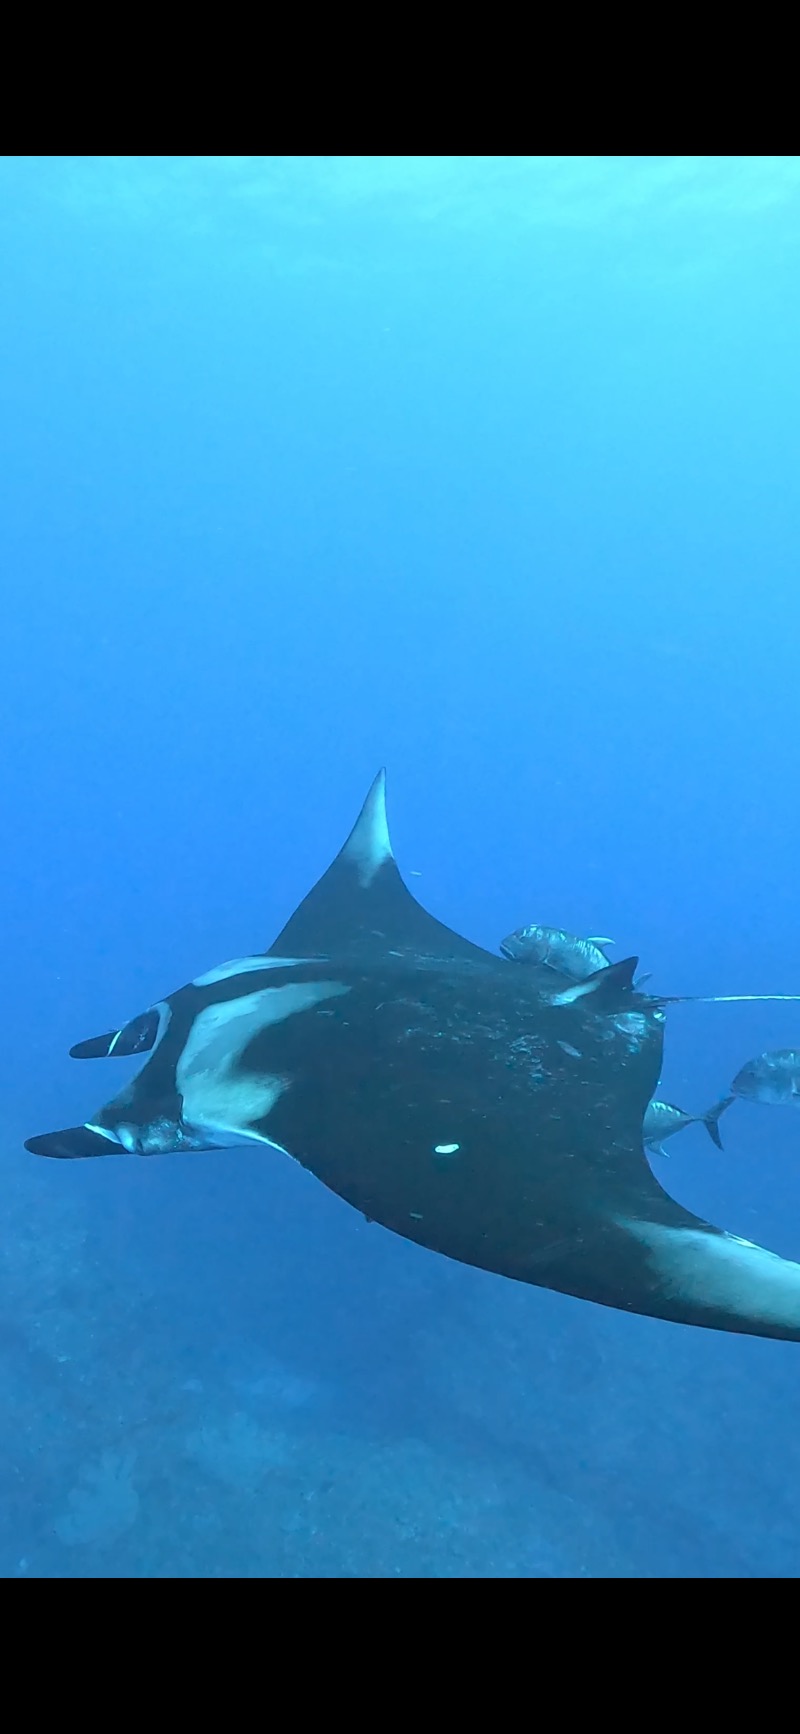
(485, 469)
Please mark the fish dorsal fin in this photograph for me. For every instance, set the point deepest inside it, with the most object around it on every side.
(361, 905)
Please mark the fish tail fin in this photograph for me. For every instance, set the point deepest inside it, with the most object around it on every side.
(711, 1120)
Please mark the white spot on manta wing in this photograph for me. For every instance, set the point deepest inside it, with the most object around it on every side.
(369, 844)
(445, 1149)
(722, 1270)
(568, 1049)
(246, 965)
(217, 1098)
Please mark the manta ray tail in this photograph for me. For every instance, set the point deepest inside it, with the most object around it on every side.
(719, 998)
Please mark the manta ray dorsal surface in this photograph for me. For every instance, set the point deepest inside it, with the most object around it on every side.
(487, 1112)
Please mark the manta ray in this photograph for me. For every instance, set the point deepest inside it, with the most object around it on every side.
(489, 1113)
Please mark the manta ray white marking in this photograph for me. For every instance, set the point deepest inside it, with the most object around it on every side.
(721, 1270)
(369, 844)
(247, 965)
(217, 1097)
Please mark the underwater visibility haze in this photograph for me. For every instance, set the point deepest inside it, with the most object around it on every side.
(482, 468)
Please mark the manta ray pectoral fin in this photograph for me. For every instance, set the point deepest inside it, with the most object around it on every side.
(136, 1037)
(361, 905)
(707, 1277)
(75, 1143)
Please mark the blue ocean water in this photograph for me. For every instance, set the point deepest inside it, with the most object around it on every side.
(484, 469)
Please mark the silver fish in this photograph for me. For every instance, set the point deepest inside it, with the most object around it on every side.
(557, 949)
(663, 1119)
(771, 1077)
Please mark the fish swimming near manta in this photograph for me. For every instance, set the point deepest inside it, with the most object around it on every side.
(663, 1119)
(565, 952)
(481, 1110)
(771, 1077)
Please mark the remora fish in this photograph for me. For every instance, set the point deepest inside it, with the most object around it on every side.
(663, 1120)
(370, 1039)
(771, 1077)
(556, 948)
